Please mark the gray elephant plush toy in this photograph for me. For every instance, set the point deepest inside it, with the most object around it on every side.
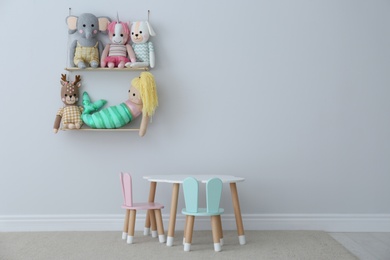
(86, 49)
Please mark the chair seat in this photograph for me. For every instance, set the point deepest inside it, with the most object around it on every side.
(144, 206)
(202, 212)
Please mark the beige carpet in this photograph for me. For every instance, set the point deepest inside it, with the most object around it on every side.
(109, 245)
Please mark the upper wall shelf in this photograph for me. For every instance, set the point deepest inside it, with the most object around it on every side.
(107, 69)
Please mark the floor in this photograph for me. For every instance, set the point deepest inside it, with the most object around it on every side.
(366, 246)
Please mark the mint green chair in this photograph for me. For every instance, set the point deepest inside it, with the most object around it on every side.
(213, 198)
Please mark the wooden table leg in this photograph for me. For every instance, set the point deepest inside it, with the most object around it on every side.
(237, 213)
(172, 217)
(184, 230)
(152, 193)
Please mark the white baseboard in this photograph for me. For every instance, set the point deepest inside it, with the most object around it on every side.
(106, 222)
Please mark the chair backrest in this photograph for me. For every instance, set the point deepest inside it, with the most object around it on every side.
(191, 190)
(213, 194)
(127, 190)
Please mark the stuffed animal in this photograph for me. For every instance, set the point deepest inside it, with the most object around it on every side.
(143, 48)
(70, 114)
(86, 49)
(142, 100)
(116, 54)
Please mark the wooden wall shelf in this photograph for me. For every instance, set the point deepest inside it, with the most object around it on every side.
(87, 128)
(84, 128)
(107, 69)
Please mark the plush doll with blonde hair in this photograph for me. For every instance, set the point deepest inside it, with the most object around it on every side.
(142, 100)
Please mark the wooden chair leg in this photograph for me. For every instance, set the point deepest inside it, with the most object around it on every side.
(153, 223)
(220, 230)
(126, 224)
(216, 235)
(147, 224)
(160, 225)
(130, 233)
(189, 231)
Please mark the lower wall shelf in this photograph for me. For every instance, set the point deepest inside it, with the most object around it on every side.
(103, 130)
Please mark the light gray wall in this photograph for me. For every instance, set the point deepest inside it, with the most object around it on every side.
(292, 95)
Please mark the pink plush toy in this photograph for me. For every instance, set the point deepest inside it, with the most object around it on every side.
(119, 52)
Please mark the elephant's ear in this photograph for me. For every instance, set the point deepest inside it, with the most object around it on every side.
(103, 23)
(71, 21)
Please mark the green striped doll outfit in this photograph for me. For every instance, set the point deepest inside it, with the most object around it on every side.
(110, 117)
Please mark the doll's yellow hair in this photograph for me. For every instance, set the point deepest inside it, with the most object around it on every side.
(146, 86)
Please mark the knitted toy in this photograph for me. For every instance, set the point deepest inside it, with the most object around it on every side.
(142, 100)
(143, 48)
(70, 114)
(86, 49)
(115, 54)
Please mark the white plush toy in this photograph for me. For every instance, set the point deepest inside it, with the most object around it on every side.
(143, 48)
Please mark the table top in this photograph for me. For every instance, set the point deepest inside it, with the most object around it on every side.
(201, 178)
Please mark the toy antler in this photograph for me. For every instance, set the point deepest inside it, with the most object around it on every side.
(63, 77)
(76, 79)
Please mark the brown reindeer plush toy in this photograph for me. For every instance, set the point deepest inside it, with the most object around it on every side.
(70, 113)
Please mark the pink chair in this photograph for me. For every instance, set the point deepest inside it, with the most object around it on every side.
(131, 211)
